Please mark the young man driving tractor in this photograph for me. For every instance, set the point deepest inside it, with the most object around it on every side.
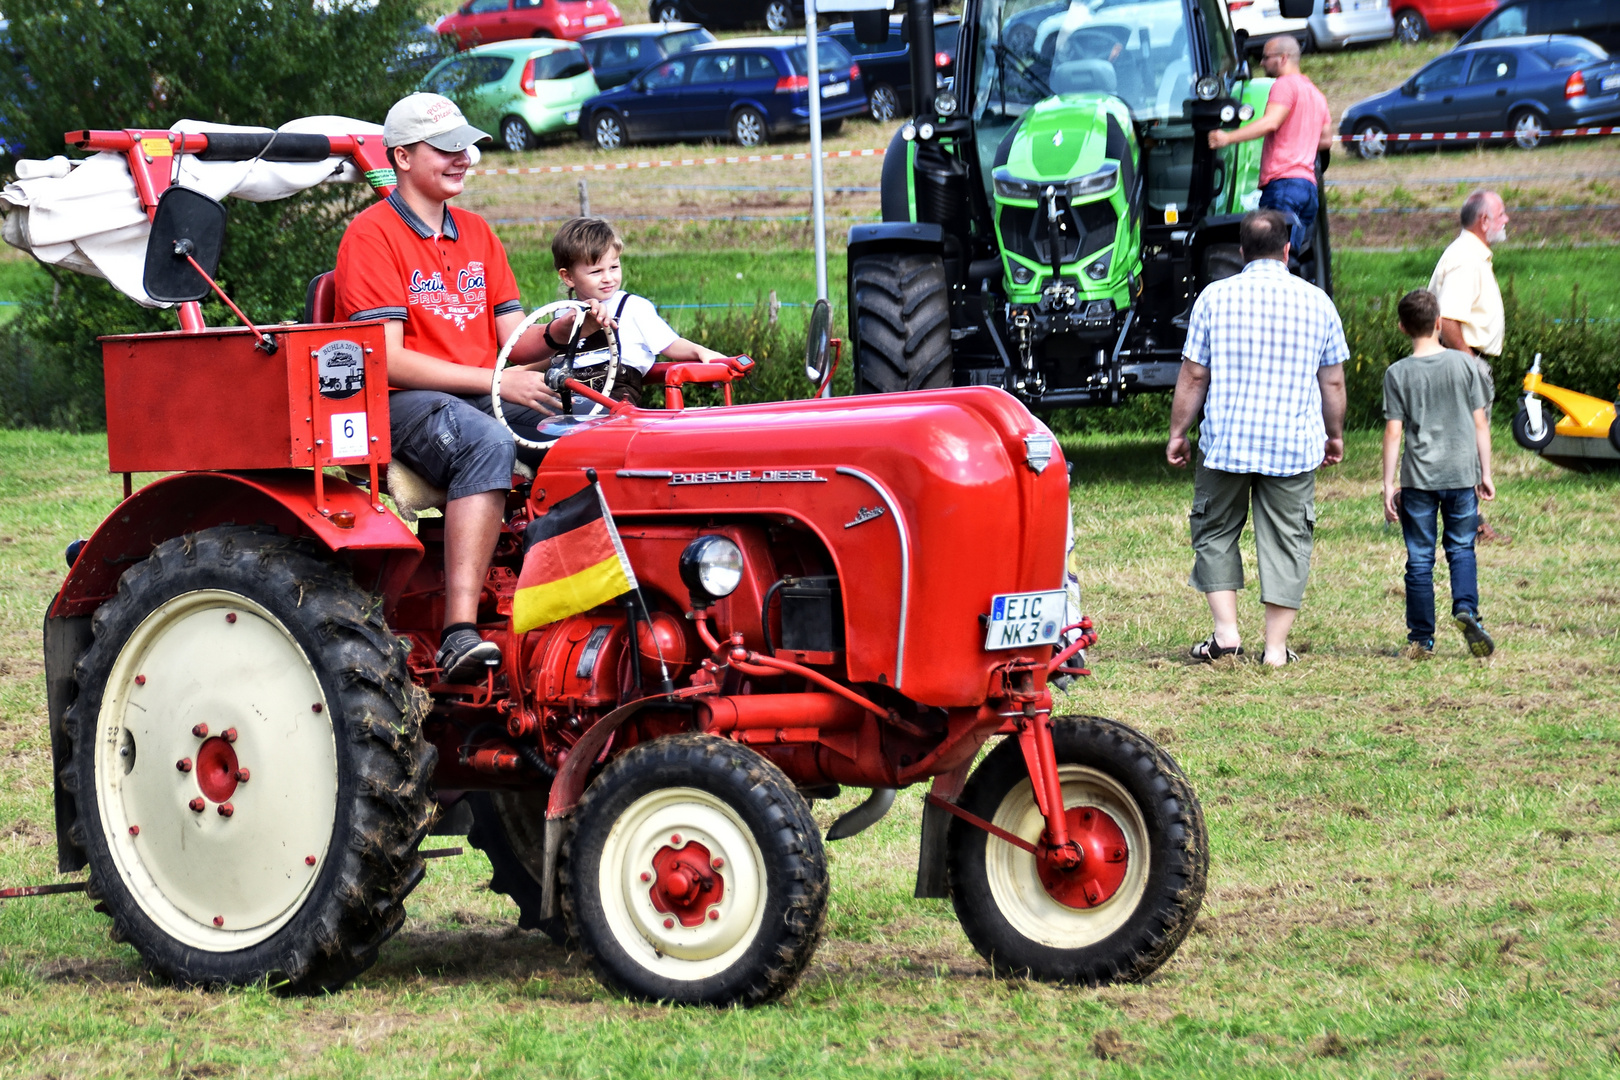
(441, 279)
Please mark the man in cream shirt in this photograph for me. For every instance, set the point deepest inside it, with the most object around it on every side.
(1471, 319)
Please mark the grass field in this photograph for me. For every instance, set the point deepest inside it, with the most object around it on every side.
(1413, 863)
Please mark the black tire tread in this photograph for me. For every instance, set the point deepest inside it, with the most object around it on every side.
(338, 934)
(804, 912)
(1148, 940)
(903, 323)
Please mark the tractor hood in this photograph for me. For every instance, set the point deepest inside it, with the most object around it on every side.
(1071, 139)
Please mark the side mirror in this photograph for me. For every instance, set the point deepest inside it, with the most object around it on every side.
(815, 347)
(187, 222)
(871, 27)
(1409, 89)
(1297, 9)
(1240, 40)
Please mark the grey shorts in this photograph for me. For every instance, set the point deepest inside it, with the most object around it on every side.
(1284, 528)
(456, 443)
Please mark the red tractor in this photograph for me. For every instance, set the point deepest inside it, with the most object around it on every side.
(251, 740)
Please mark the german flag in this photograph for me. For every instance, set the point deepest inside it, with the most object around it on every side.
(572, 561)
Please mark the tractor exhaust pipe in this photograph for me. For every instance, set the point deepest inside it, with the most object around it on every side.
(920, 24)
(864, 816)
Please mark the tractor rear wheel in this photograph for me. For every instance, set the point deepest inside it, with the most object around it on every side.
(902, 316)
(1124, 910)
(248, 764)
(695, 874)
(510, 828)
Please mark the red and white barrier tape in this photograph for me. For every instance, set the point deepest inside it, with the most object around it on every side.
(740, 159)
(1469, 136)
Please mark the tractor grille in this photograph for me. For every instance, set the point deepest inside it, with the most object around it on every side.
(1086, 229)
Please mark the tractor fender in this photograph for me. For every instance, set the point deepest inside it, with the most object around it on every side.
(897, 198)
(895, 237)
(380, 550)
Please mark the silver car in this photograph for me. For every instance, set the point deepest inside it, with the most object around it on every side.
(1337, 23)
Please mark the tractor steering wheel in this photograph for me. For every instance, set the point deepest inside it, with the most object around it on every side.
(564, 423)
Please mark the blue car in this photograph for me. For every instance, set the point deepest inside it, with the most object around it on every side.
(1525, 86)
(744, 89)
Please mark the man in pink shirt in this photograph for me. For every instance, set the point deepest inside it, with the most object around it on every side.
(1295, 125)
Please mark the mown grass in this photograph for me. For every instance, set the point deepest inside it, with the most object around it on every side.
(1413, 863)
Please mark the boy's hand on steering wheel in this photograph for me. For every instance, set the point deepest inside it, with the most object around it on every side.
(527, 387)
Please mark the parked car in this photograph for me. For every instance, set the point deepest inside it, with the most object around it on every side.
(1263, 20)
(1337, 23)
(616, 55)
(479, 22)
(886, 66)
(777, 15)
(744, 89)
(519, 89)
(1523, 85)
(1418, 19)
(1594, 20)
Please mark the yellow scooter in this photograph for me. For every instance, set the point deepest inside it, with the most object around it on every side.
(1586, 439)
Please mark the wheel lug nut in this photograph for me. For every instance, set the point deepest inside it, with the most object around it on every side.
(184, 764)
(717, 863)
(669, 924)
(646, 876)
(201, 731)
(219, 920)
(229, 734)
(675, 839)
(714, 916)
(315, 707)
(198, 805)
(140, 680)
(230, 616)
(134, 830)
(226, 809)
(309, 860)
(242, 776)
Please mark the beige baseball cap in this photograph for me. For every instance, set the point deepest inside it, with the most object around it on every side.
(430, 118)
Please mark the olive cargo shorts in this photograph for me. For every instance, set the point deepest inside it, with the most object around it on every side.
(1284, 524)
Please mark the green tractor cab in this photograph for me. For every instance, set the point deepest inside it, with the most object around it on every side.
(1049, 219)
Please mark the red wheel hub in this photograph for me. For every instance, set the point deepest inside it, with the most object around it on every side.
(685, 883)
(1101, 869)
(217, 769)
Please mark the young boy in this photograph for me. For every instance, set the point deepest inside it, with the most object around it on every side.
(586, 252)
(1438, 397)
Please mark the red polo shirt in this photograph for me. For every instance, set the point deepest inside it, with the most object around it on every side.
(446, 287)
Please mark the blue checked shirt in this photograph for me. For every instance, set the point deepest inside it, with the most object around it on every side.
(1263, 334)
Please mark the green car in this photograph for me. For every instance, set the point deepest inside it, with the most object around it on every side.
(520, 89)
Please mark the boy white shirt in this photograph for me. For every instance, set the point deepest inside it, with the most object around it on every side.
(643, 334)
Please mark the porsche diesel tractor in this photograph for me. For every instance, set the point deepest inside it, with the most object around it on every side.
(251, 739)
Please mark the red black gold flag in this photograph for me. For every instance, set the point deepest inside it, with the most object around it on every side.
(573, 561)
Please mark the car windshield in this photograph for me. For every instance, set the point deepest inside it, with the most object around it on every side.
(829, 54)
(1027, 51)
(1571, 52)
(561, 63)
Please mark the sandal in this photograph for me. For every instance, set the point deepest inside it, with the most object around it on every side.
(1207, 651)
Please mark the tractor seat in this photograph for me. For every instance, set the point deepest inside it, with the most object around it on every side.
(320, 299)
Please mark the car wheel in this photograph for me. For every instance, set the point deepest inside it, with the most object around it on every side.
(666, 13)
(748, 127)
(778, 16)
(884, 103)
(1410, 26)
(1528, 129)
(1373, 140)
(515, 135)
(609, 131)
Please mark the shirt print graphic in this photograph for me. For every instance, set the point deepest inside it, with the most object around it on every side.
(461, 305)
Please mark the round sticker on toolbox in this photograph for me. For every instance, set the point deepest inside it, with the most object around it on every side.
(341, 366)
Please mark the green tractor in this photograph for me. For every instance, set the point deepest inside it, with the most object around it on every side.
(1050, 215)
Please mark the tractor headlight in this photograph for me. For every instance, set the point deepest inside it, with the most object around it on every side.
(711, 567)
(1022, 275)
(1009, 186)
(945, 103)
(1208, 88)
(1095, 183)
(1099, 311)
(1099, 267)
(1228, 114)
(1245, 113)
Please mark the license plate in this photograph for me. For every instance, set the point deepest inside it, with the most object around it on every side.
(571, 116)
(1611, 82)
(833, 89)
(596, 20)
(1019, 620)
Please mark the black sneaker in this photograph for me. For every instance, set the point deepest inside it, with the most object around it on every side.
(464, 657)
(1473, 632)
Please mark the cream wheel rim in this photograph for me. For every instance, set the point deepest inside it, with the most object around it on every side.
(647, 827)
(1016, 885)
(219, 862)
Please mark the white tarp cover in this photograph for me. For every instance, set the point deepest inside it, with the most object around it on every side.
(85, 215)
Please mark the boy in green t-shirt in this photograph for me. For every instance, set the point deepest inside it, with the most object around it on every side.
(1437, 398)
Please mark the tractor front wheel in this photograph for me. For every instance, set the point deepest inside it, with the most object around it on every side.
(248, 764)
(900, 307)
(694, 874)
(1119, 914)
(1534, 435)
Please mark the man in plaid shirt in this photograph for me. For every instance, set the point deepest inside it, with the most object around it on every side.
(1264, 361)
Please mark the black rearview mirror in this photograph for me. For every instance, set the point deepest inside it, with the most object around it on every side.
(815, 347)
(871, 27)
(187, 222)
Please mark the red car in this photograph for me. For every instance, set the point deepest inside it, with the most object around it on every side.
(1417, 19)
(479, 22)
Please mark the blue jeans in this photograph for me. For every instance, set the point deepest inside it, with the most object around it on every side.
(1421, 515)
(1297, 199)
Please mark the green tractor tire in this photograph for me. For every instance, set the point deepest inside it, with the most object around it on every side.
(902, 317)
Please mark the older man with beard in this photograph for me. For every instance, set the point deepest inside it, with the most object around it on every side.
(1471, 318)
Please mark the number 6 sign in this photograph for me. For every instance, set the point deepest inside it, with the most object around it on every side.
(349, 435)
